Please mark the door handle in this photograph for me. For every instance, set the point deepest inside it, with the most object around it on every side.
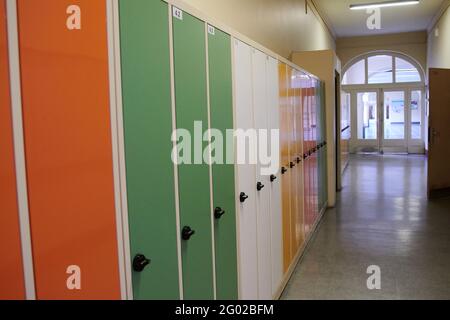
(140, 262)
(283, 170)
(243, 197)
(292, 165)
(298, 160)
(434, 134)
(218, 213)
(187, 233)
(259, 186)
(273, 178)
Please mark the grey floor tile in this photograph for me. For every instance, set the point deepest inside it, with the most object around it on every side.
(382, 218)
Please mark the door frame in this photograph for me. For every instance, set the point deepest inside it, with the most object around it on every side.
(359, 145)
(393, 145)
(410, 146)
(338, 118)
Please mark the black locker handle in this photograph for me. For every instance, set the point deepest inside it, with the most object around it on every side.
(259, 186)
(283, 170)
(140, 262)
(243, 197)
(218, 213)
(292, 165)
(273, 178)
(298, 159)
(187, 233)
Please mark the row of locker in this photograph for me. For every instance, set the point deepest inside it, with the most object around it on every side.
(101, 191)
(303, 158)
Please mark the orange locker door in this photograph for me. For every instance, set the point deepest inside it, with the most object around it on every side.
(298, 159)
(309, 161)
(65, 93)
(306, 191)
(311, 148)
(11, 269)
(312, 159)
(292, 164)
(285, 172)
(315, 179)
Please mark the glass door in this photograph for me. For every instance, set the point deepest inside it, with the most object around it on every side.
(416, 116)
(387, 120)
(367, 121)
(393, 122)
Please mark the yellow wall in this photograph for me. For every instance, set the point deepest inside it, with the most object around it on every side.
(413, 44)
(439, 46)
(280, 25)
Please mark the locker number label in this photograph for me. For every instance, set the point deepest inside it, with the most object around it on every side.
(177, 13)
(211, 30)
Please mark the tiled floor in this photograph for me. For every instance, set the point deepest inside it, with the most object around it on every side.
(382, 218)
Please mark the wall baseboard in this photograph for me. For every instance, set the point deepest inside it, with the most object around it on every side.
(439, 194)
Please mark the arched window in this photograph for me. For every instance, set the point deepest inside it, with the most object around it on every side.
(383, 103)
(382, 68)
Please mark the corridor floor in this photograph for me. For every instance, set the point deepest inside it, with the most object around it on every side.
(382, 218)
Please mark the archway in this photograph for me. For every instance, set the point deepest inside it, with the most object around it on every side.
(383, 103)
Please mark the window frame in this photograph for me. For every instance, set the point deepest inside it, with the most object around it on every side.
(394, 56)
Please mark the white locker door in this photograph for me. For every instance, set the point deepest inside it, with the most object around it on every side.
(273, 110)
(260, 61)
(248, 256)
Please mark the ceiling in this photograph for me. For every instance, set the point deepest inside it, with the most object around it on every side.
(349, 23)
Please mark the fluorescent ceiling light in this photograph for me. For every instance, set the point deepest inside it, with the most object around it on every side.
(383, 4)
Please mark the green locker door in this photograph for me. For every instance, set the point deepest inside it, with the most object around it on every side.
(194, 185)
(221, 106)
(148, 127)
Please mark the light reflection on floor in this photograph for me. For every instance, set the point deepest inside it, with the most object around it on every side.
(382, 218)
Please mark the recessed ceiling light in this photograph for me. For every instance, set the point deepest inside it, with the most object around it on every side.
(383, 4)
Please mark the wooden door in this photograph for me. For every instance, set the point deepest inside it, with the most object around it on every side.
(439, 133)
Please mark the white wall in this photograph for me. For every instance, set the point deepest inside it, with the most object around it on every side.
(282, 26)
(412, 44)
(439, 43)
